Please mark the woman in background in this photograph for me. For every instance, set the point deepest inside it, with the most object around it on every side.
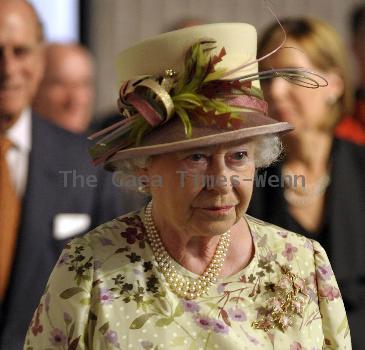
(321, 187)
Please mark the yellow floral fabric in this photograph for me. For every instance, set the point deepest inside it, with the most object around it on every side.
(106, 292)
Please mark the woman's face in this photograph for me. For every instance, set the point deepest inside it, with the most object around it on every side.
(204, 191)
(305, 108)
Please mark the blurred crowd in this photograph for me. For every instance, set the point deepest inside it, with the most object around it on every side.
(49, 190)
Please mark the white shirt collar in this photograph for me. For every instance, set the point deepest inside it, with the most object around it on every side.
(20, 134)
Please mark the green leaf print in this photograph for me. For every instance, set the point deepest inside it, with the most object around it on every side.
(85, 301)
(164, 321)
(69, 293)
(179, 311)
(164, 305)
(104, 328)
(74, 344)
(72, 330)
(140, 321)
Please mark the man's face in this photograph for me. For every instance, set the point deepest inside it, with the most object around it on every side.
(21, 61)
(65, 95)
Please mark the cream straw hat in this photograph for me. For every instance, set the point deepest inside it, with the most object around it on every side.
(189, 88)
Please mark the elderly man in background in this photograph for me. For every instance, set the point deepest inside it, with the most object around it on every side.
(65, 95)
(49, 191)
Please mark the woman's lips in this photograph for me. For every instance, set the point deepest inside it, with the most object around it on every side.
(219, 210)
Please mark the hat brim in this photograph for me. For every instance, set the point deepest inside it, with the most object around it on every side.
(170, 137)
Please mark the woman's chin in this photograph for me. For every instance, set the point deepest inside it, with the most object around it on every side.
(214, 228)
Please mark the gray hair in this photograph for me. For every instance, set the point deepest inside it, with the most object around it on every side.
(268, 148)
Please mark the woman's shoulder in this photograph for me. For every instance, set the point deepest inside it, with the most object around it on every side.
(278, 234)
(131, 221)
(119, 237)
(289, 248)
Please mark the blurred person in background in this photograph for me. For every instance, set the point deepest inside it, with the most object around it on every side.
(354, 128)
(66, 92)
(49, 190)
(329, 205)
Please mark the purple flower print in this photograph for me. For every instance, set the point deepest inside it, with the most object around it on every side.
(311, 279)
(252, 339)
(64, 260)
(296, 346)
(106, 241)
(57, 337)
(97, 264)
(131, 234)
(128, 220)
(308, 245)
(137, 272)
(220, 288)
(67, 317)
(324, 272)
(237, 314)
(283, 234)
(47, 301)
(219, 326)
(105, 296)
(111, 337)
(329, 292)
(36, 326)
(190, 306)
(289, 251)
(203, 321)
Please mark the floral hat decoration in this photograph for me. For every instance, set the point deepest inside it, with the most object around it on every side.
(188, 88)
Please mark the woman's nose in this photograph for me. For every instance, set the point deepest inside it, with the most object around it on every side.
(218, 176)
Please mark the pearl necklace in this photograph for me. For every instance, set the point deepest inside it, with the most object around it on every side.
(185, 287)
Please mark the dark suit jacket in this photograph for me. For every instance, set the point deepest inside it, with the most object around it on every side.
(53, 150)
(343, 233)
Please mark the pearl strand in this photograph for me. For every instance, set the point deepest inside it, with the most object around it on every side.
(185, 287)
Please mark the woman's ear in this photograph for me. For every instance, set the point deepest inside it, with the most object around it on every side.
(336, 86)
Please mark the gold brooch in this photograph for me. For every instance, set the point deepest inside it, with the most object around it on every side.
(288, 301)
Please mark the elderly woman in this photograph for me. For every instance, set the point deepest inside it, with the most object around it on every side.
(330, 205)
(191, 270)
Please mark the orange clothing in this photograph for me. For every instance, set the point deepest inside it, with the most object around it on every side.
(353, 128)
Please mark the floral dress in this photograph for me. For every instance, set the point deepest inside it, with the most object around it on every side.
(106, 292)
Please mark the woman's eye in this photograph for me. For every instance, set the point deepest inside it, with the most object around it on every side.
(197, 157)
(239, 155)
